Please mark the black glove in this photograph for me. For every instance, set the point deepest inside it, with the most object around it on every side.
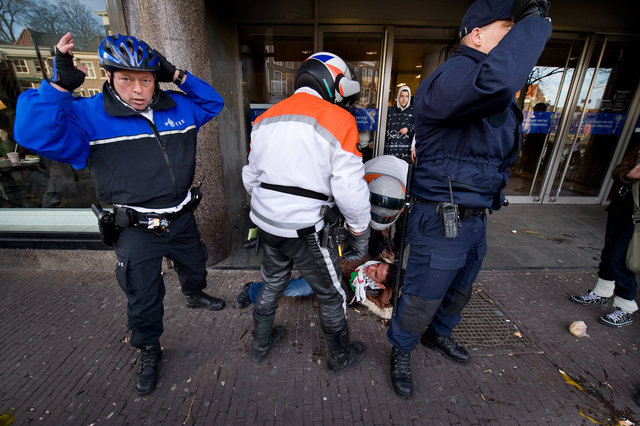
(523, 8)
(65, 74)
(359, 245)
(167, 69)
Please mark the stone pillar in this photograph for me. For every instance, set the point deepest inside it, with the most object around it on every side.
(176, 28)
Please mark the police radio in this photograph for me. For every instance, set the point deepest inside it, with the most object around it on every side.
(450, 216)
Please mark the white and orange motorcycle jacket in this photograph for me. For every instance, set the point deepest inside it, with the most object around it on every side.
(305, 142)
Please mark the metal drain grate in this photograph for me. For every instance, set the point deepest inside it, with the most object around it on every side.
(484, 325)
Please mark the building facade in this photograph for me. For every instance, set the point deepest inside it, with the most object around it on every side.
(581, 102)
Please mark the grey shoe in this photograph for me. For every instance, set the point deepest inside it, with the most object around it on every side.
(616, 318)
(591, 299)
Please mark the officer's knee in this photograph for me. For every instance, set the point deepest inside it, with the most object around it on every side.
(459, 300)
(418, 313)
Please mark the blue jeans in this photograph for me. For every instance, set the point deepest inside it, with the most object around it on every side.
(296, 287)
(613, 265)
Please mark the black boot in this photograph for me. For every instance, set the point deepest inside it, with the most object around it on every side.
(401, 373)
(148, 368)
(242, 299)
(342, 353)
(446, 346)
(203, 300)
(264, 335)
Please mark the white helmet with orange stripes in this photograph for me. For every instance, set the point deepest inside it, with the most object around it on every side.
(330, 76)
(387, 177)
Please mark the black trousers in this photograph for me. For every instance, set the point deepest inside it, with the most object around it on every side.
(138, 270)
(318, 265)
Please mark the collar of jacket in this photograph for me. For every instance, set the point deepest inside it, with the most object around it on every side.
(116, 108)
(474, 54)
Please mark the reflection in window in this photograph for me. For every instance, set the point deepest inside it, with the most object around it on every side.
(263, 49)
(21, 66)
(26, 52)
(90, 70)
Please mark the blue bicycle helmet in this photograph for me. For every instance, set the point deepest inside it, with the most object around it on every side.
(127, 52)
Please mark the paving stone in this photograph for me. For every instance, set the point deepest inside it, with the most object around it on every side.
(64, 359)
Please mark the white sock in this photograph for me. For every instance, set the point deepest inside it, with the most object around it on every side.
(628, 306)
(604, 288)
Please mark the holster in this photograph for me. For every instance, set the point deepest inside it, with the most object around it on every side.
(329, 232)
(109, 232)
(196, 196)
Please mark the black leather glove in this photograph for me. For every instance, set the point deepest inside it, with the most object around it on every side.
(359, 245)
(523, 8)
(167, 69)
(65, 74)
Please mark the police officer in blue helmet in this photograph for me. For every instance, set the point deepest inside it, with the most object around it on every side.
(467, 135)
(140, 144)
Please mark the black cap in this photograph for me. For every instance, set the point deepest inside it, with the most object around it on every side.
(484, 12)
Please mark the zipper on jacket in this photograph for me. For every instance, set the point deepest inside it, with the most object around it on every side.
(166, 156)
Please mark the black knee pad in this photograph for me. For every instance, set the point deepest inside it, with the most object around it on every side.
(459, 301)
(418, 313)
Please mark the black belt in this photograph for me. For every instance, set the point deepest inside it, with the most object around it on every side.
(306, 231)
(130, 217)
(126, 216)
(465, 213)
(296, 190)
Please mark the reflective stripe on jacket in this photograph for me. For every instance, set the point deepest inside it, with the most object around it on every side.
(133, 161)
(307, 142)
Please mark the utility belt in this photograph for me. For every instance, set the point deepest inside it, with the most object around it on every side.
(465, 213)
(125, 216)
(111, 223)
(330, 234)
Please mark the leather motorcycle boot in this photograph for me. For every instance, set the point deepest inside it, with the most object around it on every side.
(203, 300)
(148, 368)
(342, 353)
(264, 335)
(446, 346)
(401, 373)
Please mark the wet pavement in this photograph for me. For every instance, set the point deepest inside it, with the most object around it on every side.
(65, 359)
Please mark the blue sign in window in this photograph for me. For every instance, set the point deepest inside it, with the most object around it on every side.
(366, 118)
(594, 123)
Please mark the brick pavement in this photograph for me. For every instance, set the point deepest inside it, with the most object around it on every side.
(65, 360)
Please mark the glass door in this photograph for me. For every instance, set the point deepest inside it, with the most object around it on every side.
(362, 48)
(582, 166)
(415, 53)
(575, 105)
(542, 100)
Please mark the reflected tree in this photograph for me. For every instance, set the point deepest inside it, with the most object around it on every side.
(50, 17)
(537, 75)
(13, 14)
(65, 15)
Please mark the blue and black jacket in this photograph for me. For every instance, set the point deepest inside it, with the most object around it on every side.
(134, 161)
(467, 120)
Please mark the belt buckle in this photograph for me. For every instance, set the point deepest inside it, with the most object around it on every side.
(155, 222)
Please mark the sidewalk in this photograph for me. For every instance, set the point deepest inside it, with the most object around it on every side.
(65, 359)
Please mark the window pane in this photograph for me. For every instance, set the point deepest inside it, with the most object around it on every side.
(26, 49)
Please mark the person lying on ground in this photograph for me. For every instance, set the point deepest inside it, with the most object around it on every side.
(369, 284)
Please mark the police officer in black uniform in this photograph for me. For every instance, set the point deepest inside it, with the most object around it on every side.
(467, 135)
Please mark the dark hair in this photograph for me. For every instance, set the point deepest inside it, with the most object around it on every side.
(391, 275)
